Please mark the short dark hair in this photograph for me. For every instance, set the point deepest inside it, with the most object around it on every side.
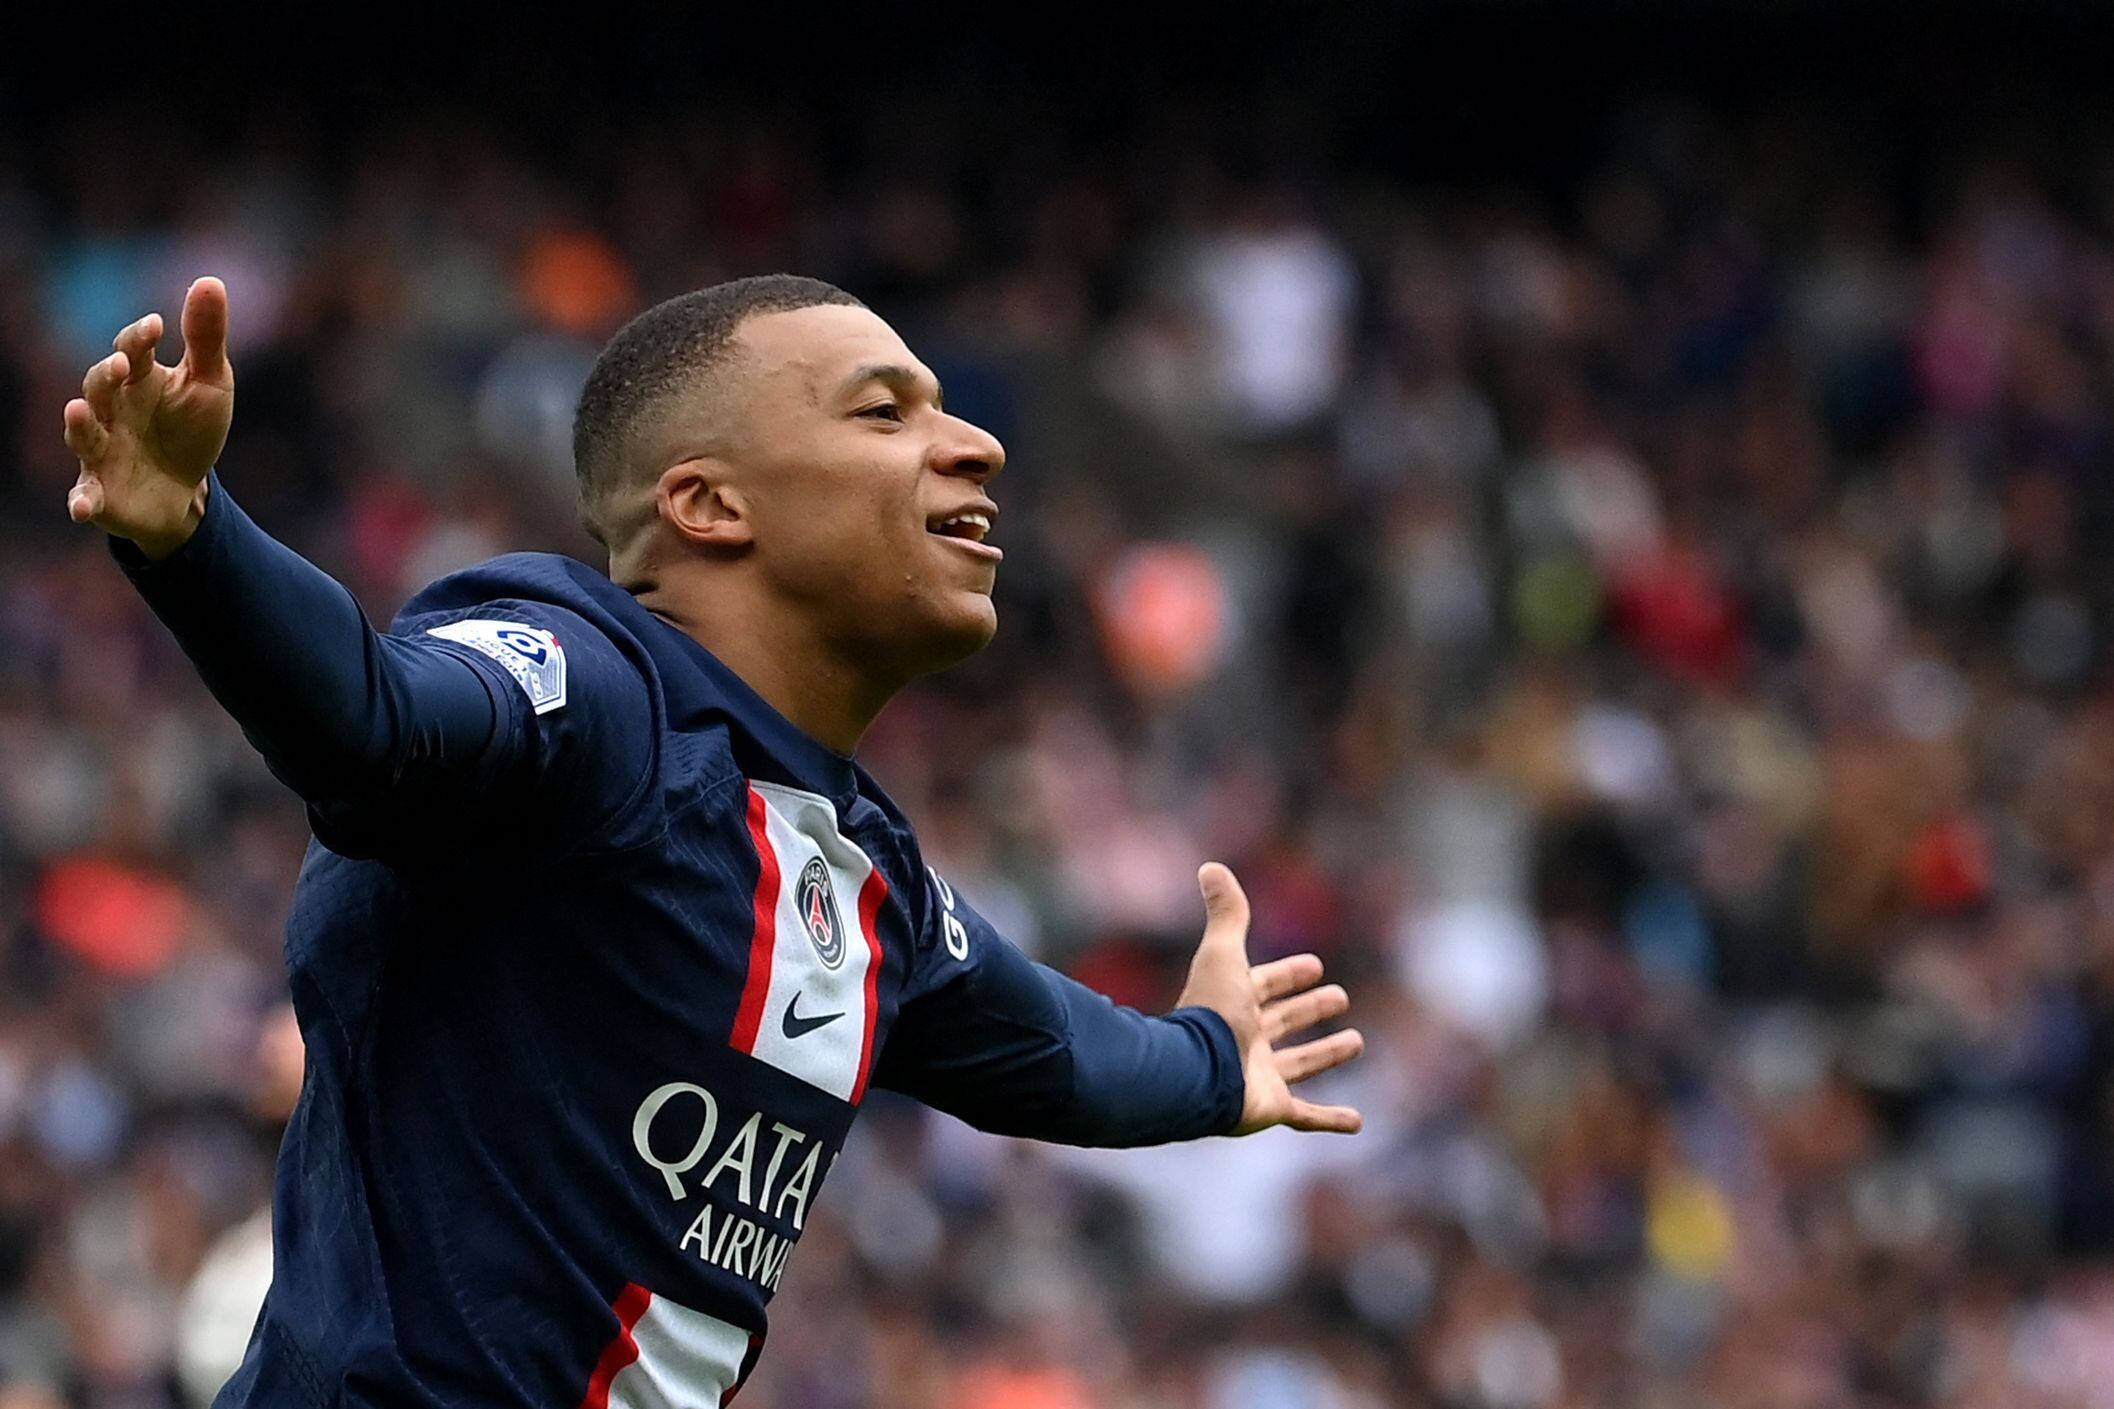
(662, 352)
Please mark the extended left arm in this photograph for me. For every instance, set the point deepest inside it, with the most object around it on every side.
(1014, 1047)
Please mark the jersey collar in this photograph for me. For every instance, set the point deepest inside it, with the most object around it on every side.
(696, 682)
(811, 763)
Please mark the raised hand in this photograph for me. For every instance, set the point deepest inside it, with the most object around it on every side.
(1265, 1004)
(147, 435)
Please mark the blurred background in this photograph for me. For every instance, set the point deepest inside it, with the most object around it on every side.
(1601, 514)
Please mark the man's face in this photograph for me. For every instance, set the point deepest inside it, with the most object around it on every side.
(867, 500)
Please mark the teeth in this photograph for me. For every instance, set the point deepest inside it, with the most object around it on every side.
(979, 524)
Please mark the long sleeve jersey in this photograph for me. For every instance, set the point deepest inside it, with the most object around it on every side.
(596, 957)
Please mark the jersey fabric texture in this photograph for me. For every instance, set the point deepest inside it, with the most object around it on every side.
(596, 957)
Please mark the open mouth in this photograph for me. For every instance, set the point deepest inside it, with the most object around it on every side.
(967, 528)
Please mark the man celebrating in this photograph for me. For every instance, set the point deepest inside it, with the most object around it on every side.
(605, 936)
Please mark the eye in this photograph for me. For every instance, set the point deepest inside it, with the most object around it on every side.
(886, 411)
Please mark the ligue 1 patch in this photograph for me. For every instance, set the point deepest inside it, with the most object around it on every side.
(531, 655)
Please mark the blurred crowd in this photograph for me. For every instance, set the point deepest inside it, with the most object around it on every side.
(1651, 638)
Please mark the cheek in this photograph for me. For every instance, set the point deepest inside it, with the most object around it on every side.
(878, 525)
(854, 532)
(885, 503)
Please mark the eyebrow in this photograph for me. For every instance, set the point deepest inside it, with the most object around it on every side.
(898, 376)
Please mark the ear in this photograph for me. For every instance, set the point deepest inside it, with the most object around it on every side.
(694, 499)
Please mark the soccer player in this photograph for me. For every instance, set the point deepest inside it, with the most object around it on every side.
(604, 936)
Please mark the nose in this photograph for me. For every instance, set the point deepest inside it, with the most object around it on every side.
(968, 450)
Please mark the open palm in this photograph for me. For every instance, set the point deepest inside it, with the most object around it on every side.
(1265, 1004)
(147, 435)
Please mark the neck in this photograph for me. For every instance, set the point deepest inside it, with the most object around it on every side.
(777, 653)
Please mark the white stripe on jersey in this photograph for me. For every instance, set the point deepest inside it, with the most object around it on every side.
(802, 827)
(686, 1360)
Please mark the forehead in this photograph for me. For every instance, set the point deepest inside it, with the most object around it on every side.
(814, 350)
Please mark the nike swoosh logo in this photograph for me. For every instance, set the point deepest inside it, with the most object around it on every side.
(796, 1027)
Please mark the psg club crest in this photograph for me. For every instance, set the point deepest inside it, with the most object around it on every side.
(817, 902)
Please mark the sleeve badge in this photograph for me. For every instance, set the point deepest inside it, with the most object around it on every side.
(530, 654)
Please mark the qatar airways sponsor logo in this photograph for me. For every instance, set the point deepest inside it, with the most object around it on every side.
(765, 1166)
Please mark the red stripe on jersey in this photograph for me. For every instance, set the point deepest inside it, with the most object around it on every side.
(748, 1363)
(630, 1305)
(748, 1019)
(871, 896)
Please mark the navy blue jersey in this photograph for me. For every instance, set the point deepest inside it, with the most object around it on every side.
(596, 957)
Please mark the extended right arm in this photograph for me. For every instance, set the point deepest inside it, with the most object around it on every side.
(338, 710)
(392, 740)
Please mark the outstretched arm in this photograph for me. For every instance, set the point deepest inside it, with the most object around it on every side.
(1016, 1048)
(368, 728)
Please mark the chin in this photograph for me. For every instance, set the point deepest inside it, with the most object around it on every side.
(978, 624)
(965, 628)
